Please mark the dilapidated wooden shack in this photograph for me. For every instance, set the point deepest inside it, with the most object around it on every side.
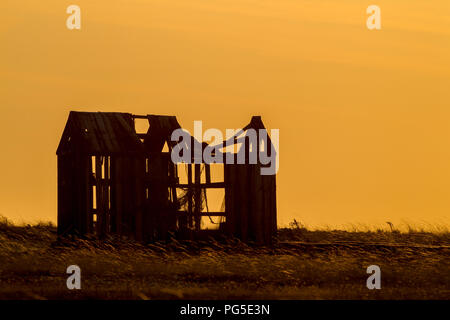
(114, 180)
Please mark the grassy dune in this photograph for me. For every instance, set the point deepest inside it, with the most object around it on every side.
(303, 265)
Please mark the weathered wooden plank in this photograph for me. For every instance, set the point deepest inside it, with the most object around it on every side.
(118, 194)
(173, 180)
(103, 134)
(207, 173)
(147, 218)
(138, 171)
(107, 186)
(243, 199)
(210, 185)
(99, 195)
(189, 195)
(273, 207)
(232, 201)
(267, 210)
(197, 197)
(136, 116)
(112, 133)
(66, 193)
(67, 143)
(205, 214)
(88, 195)
(258, 217)
(89, 132)
(113, 196)
(228, 228)
(78, 196)
(128, 140)
(141, 135)
(128, 218)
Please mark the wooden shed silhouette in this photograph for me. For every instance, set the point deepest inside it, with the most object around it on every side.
(113, 180)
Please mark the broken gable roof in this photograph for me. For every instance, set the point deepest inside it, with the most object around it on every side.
(160, 131)
(100, 133)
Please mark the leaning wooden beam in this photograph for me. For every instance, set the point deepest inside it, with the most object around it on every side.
(136, 116)
(212, 185)
(205, 214)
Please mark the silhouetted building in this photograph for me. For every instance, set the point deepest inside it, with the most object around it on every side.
(113, 180)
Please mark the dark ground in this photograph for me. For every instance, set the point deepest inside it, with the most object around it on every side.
(303, 265)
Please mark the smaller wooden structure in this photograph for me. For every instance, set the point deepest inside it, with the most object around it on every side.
(113, 180)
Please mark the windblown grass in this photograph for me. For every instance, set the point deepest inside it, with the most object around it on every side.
(33, 265)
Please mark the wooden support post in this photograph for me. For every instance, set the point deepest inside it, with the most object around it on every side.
(90, 198)
(99, 195)
(107, 226)
(172, 183)
(139, 194)
(229, 224)
(197, 197)
(207, 173)
(66, 193)
(235, 151)
(189, 194)
(242, 197)
(173, 180)
(118, 184)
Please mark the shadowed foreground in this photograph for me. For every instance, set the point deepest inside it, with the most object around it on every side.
(304, 265)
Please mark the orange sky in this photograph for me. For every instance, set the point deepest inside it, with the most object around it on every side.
(363, 115)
